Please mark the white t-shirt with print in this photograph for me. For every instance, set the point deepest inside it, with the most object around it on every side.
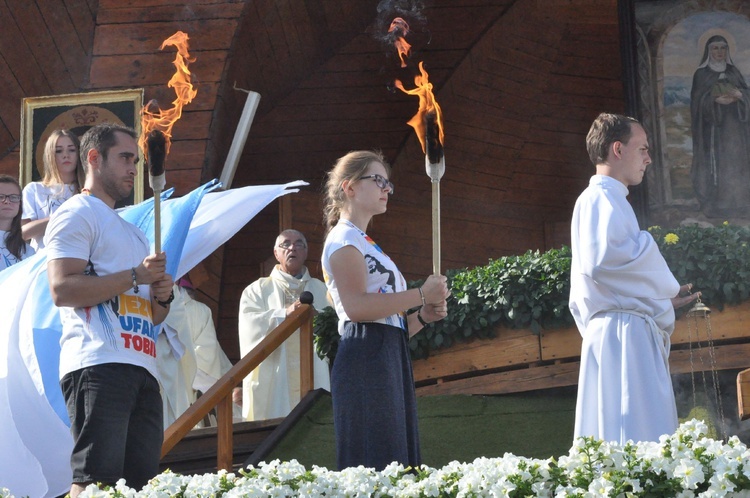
(383, 276)
(7, 258)
(119, 330)
(40, 201)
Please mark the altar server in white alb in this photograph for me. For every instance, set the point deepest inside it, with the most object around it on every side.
(622, 296)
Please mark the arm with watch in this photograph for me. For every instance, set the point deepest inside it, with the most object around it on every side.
(426, 314)
(70, 286)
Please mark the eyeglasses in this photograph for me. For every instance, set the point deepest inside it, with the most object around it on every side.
(13, 198)
(299, 245)
(380, 181)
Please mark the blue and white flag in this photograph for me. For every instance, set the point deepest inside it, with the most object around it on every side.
(35, 440)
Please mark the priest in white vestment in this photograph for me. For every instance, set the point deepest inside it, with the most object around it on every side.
(622, 296)
(190, 358)
(273, 389)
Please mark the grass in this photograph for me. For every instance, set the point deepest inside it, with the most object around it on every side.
(455, 427)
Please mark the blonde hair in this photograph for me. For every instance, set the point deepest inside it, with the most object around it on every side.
(51, 173)
(352, 167)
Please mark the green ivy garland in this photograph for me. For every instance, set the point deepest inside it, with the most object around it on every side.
(531, 290)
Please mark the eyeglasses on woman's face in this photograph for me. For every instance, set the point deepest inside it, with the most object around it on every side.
(12, 198)
(380, 181)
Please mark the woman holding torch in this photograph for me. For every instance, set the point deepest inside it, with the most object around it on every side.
(374, 403)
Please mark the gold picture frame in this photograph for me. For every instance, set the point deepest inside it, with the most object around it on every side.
(40, 116)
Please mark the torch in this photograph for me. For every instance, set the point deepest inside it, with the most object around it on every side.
(428, 123)
(157, 152)
(434, 161)
(157, 125)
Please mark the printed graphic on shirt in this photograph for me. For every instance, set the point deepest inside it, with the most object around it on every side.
(382, 275)
(135, 320)
(52, 201)
(137, 323)
(8, 259)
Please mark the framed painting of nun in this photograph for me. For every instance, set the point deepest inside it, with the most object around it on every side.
(687, 67)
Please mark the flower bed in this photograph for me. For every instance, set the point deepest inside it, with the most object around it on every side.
(684, 464)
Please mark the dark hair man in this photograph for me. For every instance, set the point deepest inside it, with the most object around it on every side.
(111, 294)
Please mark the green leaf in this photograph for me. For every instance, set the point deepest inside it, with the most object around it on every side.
(531, 290)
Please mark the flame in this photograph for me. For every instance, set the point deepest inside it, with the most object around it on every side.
(401, 29)
(427, 106)
(164, 119)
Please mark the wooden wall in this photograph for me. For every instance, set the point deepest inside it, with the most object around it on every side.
(45, 49)
(126, 50)
(518, 360)
(519, 82)
(55, 47)
(126, 54)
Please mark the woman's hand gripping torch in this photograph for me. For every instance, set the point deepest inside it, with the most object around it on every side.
(157, 152)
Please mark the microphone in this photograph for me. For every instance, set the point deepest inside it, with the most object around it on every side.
(306, 297)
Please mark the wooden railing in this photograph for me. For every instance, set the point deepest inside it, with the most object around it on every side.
(220, 394)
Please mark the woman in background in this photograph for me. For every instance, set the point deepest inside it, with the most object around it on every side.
(63, 178)
(12, 246)
(374, 403)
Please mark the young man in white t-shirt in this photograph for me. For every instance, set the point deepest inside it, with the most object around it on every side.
(111, 295)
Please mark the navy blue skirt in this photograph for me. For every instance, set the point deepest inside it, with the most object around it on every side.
(374, 403)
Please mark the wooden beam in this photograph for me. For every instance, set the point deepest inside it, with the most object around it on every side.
(743, 394)
(115, 13)
(510, 347)
(147, 37)
(566, 374)
(115, 71)
(524, 379)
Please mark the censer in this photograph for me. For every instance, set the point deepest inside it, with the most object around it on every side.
(699, 323)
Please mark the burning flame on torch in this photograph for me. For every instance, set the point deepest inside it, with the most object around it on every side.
(164, 119)
(429, 116)
(400, 28)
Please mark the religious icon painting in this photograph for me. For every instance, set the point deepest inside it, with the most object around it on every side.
(688, 69)
(40, 116)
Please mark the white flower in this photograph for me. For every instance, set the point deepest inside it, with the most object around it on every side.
(591, 469)
(122, 488)
(599, 487)
(93, 491)
(690, 472)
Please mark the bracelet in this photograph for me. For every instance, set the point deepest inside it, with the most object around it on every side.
(164, 304)
(421, 320)
(135, 284)
(421, 294)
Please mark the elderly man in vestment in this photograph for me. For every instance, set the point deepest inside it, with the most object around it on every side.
(622, 296)
(273, 389)
(189, 356)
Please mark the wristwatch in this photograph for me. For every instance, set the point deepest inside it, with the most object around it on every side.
(164, 304)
